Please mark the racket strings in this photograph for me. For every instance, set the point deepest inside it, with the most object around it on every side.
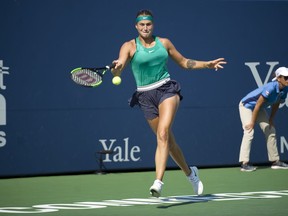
(87, 77)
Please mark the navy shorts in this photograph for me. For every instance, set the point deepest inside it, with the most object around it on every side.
(149, 101)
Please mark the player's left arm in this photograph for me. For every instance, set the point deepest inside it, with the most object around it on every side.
(190, 63)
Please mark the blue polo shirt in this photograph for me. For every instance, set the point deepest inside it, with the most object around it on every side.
(269, 91)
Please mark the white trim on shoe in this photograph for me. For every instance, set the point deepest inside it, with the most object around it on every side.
(279, 165)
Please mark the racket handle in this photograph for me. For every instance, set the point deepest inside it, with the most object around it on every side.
(111, 66)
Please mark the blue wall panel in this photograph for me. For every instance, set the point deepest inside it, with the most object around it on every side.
(49, 125)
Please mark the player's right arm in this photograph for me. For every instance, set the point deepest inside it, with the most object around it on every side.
(125, 54)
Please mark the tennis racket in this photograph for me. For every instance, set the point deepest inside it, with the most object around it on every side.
(89, 77)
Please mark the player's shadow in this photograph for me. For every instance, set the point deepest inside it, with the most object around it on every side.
(179, 201)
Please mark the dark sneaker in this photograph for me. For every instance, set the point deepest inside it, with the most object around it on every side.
(279, 165)
(247, 168)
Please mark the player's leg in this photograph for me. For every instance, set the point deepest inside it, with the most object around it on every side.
(166, 145)
(156, 188)
(177, 155)
(191, 172)
(162, 127)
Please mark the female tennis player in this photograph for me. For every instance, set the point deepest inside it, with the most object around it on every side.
(157, 94)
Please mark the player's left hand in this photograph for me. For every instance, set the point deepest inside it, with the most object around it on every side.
(217, 64)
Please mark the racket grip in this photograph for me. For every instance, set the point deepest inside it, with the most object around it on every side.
(112, 65)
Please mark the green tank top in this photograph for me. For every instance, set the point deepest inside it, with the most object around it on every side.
(149, 65)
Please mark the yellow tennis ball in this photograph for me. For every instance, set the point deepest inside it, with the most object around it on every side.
(116, 80)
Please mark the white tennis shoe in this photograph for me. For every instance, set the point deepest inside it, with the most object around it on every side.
(156, 188)
(195, 180)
